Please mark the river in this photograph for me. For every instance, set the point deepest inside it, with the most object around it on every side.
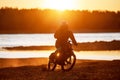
(12, 40)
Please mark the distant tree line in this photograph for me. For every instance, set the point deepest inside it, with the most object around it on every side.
(13, 20)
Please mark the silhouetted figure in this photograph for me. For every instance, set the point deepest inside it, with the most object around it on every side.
(63, 34)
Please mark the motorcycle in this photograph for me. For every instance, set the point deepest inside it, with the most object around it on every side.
(65, 59)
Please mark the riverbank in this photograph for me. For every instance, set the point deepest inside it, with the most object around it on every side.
(83, 70)
(88, 46)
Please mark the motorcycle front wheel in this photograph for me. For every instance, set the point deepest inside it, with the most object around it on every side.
(69, 63)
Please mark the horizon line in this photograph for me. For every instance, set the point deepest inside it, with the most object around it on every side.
(5, 7)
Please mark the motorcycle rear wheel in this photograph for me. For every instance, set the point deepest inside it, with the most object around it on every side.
(51, 65)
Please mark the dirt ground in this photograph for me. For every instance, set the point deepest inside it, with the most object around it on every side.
(83, 70)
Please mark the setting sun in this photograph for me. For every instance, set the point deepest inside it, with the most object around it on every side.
(59, 4)
(112, 5)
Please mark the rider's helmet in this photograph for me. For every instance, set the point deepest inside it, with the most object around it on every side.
(64, 25)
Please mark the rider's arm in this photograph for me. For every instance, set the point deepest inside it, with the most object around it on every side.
(72, 38)
(56, 34)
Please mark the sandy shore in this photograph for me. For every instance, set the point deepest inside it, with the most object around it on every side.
(35, 69)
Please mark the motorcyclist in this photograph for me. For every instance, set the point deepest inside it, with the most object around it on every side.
(62, 35)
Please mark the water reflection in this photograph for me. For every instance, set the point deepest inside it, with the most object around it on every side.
(11, 40)
(95, 55)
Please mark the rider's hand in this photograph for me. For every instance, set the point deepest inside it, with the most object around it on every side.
(76, 44)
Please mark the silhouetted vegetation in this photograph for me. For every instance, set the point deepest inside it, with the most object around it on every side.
(13, 20)
(98, 45)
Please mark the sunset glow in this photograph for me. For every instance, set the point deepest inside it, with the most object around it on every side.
(112, 5)
(59, 4)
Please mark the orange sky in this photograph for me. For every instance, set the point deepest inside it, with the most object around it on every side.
(112, 5)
